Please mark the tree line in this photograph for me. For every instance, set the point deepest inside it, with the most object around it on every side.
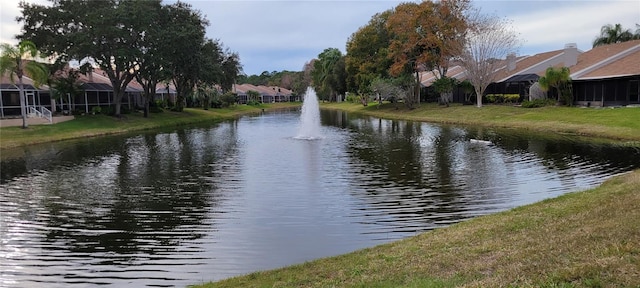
(386, 56)
(142, 40)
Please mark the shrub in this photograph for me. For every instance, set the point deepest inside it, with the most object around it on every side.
(229, 99)
(511, 98)
(351, 98)
(503, 98)
(216, 102)
(536, 103)
(96, 110)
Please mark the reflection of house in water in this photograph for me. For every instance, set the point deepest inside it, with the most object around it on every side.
(603, 76)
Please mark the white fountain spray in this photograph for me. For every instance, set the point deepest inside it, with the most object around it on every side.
(309, 128)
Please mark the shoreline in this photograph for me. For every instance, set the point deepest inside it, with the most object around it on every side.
(589, 123)
(101, 125)
(580, 239)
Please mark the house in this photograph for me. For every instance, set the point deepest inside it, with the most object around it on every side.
(98, 91)
(36, 98)
(608, 75)
(268, 94)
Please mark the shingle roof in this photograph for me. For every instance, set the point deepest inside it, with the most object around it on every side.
(27, 83)
(535, 64)
(263, 90)
(608, 61)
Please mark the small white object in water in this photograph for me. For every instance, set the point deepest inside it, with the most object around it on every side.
(485, 142)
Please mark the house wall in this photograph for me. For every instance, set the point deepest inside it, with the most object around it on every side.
(10, 101)
(607, 92)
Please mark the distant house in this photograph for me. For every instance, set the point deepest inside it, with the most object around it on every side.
(268, 94)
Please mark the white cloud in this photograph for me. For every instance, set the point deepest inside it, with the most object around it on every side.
(553, 26)
(283, 35)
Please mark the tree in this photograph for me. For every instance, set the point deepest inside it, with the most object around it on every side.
(254, 97)
(110, 32)
(65, 85)
(489, 39)
(426, 36)
(467, 89)
(328, 74)
(367, 56)
(560, 79)
(387, 89)
(186, 35)
(231, 69)
(19, 61)
(444, 86)
(154, 55)
(611, 34)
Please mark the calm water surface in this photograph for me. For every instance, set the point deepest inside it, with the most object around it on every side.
(184, 207)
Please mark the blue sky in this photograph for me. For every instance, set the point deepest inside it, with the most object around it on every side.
(284, 35)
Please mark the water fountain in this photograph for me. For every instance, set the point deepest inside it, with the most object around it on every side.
(309, 127)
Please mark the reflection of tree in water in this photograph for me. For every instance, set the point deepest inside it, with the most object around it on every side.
(408, 174)
(424, 175)
(562, 155)
(136, 195)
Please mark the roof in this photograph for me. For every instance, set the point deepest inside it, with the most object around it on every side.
(242, 89)
(27, 83)
(607, 61)
(428, 77)
(523, 77)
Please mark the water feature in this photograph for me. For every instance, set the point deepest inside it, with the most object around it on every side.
(309, 127)
(185, 206)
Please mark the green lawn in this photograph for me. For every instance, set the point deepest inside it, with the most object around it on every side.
(96, 125)
(583, 239)
(621, 124)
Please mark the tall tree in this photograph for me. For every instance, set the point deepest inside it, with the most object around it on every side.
(367, 56)
(154, 54)
(489, 40)
(611, 34)
(186, 35)
(110, 32)
(328, 74)
(19, 61)
(426, 36)
(231, 69)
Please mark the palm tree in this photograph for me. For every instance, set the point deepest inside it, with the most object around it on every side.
(610, 34)
(15, 60)
(560, 79)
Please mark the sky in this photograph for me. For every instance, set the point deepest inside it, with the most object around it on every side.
(281, 35)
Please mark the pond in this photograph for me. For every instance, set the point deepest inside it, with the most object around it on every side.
(173, 208)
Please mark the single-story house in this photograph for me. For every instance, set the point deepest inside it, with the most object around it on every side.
(268, 94)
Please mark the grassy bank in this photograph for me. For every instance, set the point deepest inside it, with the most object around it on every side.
(620, 124)
(96, 125)
(584, 239)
